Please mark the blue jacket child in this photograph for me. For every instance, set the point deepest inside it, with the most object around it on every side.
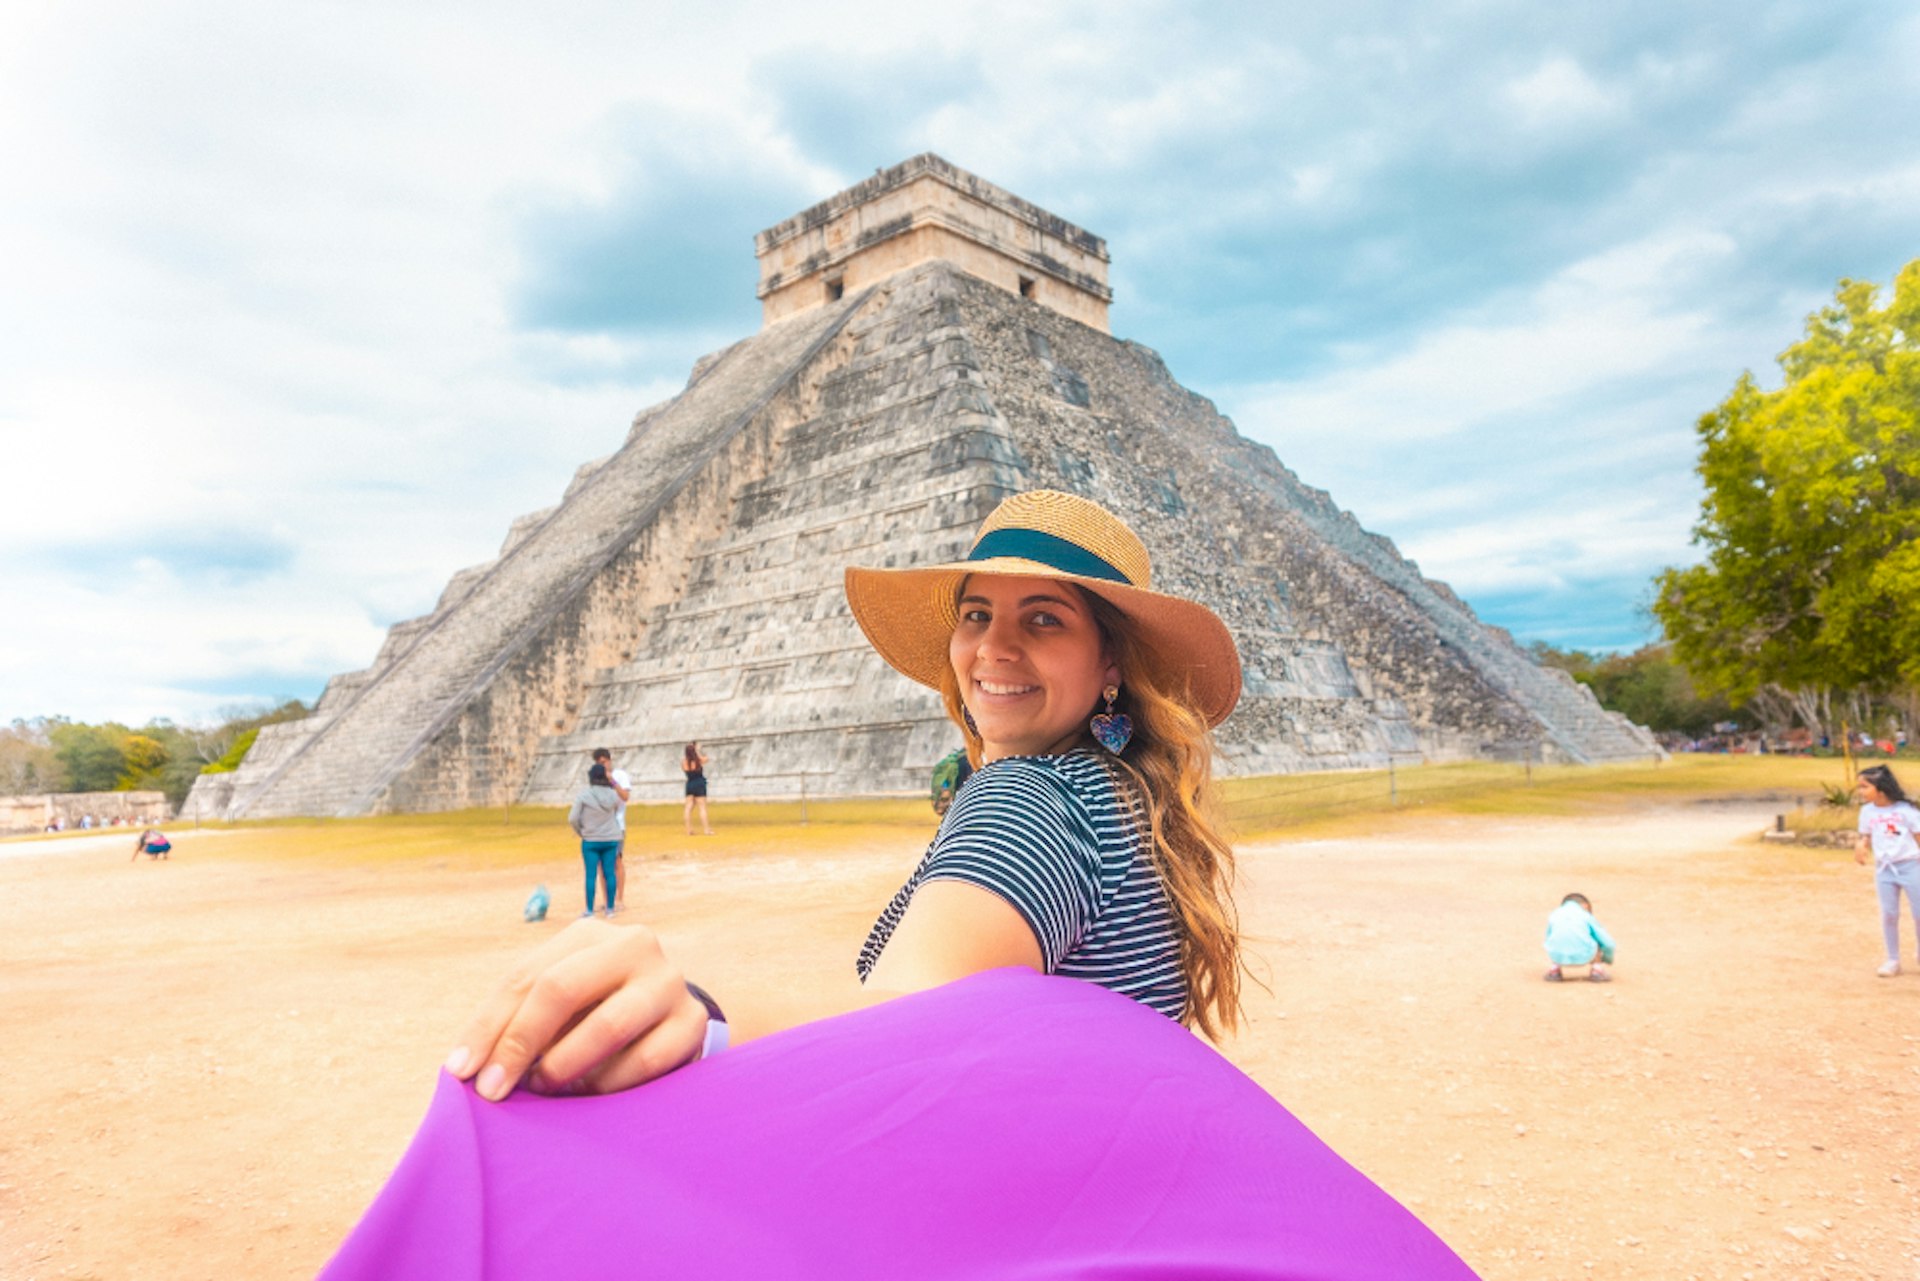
(1575, 938)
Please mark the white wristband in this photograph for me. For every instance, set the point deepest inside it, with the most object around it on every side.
(717, 1033)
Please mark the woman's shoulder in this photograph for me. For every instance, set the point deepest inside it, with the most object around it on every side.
(1076, 780)
(1076, 770)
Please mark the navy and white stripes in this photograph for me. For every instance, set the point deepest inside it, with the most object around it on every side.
(1062, 841)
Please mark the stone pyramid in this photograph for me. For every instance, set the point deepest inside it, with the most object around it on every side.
(932, 344)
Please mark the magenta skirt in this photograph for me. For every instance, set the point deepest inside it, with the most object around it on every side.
(1006, 1126)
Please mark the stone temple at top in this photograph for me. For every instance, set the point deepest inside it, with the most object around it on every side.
(930, 344)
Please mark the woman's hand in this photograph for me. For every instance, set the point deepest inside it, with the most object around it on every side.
(599, 1008)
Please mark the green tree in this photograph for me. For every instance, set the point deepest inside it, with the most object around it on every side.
(89, 754)
(1647, 687)
(54, 754)
(1811, 520)
(229, 760)
(144, 757)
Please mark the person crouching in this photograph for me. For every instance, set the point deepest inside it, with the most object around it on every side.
(1575, 938)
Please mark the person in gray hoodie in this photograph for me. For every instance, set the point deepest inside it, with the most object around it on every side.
(595, 819)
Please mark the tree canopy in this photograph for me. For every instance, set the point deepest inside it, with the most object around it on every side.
(1810, 585)
(1647, 687)
(54, 754)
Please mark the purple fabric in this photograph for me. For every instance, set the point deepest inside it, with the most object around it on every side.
(1006, 1126)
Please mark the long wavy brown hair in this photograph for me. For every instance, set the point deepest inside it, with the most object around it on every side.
(1170, 761)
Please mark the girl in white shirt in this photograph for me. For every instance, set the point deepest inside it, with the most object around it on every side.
(1888, 825)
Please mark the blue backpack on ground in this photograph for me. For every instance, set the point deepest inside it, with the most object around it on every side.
(536, 909)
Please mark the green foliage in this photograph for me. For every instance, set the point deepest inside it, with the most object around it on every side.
(89, 755)
(1647, 687)
(144, 758)
(1837, 796)
(1811, 521)
(58, 755)
(230, 759)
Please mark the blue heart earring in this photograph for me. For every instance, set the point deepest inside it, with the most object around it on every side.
(1114, 731)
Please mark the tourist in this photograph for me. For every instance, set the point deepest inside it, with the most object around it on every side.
(1072, 1114)
(153, 843)
(1888, 825)
(621, 782)
(1575, 938)
(1086, 845)
(595, 819)
(693, 763)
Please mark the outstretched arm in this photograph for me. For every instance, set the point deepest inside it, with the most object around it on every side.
(601, 1007)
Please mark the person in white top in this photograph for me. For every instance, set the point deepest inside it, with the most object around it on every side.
(623, 785)
(1888, 825)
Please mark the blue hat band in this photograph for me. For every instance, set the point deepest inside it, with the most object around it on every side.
(1046, 549)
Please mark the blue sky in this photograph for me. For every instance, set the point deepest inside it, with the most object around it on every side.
(302, 305)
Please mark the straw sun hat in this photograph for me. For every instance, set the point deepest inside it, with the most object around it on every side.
(909, 614)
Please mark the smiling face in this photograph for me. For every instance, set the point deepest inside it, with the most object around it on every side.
(1030, 662)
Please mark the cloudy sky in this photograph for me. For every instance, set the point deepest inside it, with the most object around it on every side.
(301, 304)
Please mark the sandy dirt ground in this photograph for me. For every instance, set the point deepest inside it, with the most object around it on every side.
(208, 1066)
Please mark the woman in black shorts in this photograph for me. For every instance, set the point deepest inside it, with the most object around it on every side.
(694, 764)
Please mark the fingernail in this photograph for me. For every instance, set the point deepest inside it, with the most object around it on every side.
(493, 1082)
(457, 1061)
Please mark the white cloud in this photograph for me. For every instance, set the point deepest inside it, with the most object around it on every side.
(1600, 321)
(1559, 93)
(259, 262)
(1555, 547)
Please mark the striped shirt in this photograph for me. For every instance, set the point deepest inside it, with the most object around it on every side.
(1062, 840)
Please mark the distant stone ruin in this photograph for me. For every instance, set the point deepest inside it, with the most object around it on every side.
(931, 344)
(71, 811)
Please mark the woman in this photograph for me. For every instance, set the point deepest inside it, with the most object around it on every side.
(693, 763)
(997, 1121)
(595, 819)
(1086, 844)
